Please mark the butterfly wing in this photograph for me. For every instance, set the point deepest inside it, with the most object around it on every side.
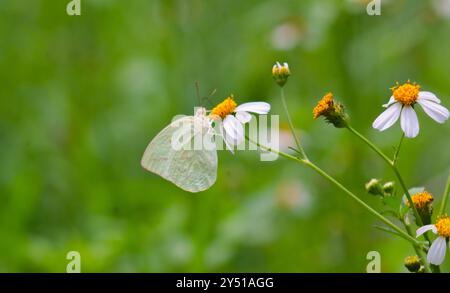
(193, 170)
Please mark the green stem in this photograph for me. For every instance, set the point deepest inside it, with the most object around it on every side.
(435, 269)
(362, 203)
(291, 125)
(394, 168)
(445, 197)
(343, 188)
(387, 230)
(400, 180)
(397, 150)
(419, 252)
(371, 145)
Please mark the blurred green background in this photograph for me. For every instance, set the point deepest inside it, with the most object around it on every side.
(82, 96)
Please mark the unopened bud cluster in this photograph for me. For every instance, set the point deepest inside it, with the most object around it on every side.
(375, 187)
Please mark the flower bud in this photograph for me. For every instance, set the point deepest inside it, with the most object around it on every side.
(388, 188)
(412, 263)
(423, 201)
(280, 73)
(374, 187)
(333, 111)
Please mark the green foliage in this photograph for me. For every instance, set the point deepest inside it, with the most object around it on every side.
(81, 96)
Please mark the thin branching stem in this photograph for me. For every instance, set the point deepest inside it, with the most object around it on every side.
(445, 197)
(391, 163)
(397, 150)
(417, 249)
(291, 125)
(343, 188)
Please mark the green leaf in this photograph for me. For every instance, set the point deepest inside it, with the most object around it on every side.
(392, 202)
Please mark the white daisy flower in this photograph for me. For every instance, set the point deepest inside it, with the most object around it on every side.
(234, 117)
(401, 104)
(436, 253)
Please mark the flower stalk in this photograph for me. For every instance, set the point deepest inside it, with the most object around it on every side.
(343, 188)
(417, 249)
(445, 197)
(335, 114)
(397, 150)
(291, 126)
(391, 163)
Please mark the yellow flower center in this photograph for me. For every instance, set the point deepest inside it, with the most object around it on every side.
(406, 93)
(443, 226)
(323, 106)
(225, 108)
(280, 70)
(421, 199)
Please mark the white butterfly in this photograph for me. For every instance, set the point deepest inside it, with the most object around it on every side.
(184, 153)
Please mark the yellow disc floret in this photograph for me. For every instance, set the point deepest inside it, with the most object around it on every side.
(280, 70)
(323, 106)
(421, 199)
(280, 73)
(443, 226)
(406, 93)
(225, 108)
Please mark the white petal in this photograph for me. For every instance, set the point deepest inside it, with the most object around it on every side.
(426, 228)
(437, 112)
(409, 122)
(224, 137)
(436, 253)
(428, 96)
(391, 101)
(388, 117)
(229, 142)
(254, 107)
(233, 129)
(243, 116)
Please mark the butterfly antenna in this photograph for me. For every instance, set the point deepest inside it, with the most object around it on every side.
(197, 90)
(212, 93)
(208, 98)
